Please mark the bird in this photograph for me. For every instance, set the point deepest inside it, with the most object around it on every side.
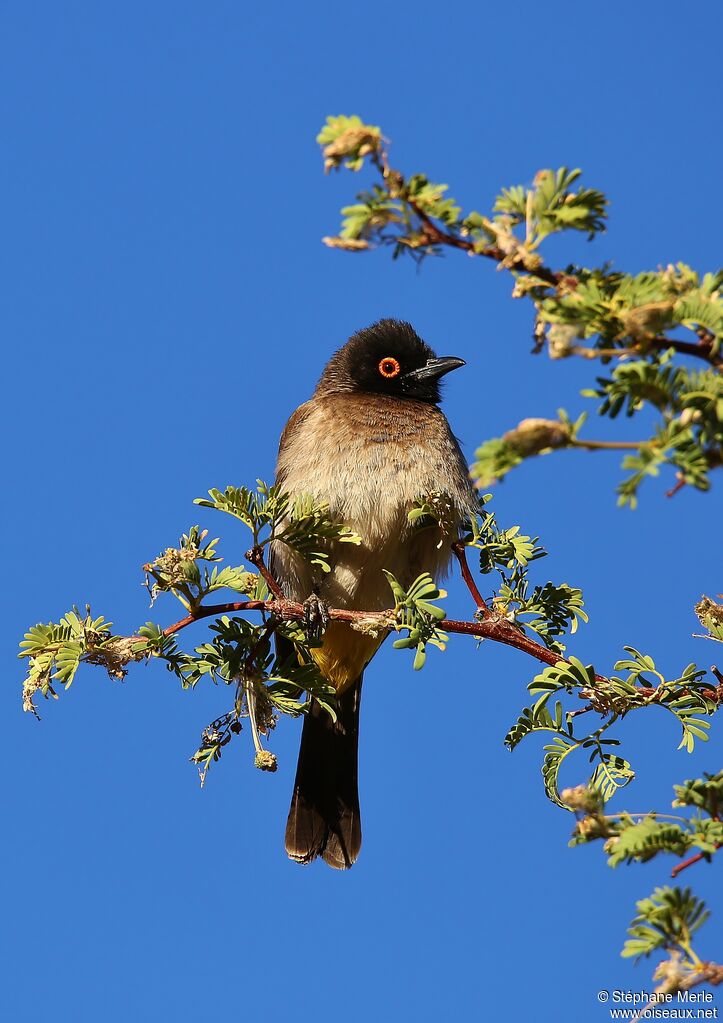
(369, 443)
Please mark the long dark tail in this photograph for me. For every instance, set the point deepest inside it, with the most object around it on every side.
(324, 818)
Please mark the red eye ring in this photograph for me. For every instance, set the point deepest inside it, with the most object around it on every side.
(389, 367)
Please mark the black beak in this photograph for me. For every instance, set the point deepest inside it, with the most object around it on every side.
(434, 368)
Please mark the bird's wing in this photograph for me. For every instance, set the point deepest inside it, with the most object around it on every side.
(278, 559)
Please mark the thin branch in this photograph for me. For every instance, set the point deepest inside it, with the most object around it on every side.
(208, 610)
(714, 816)
(689, 862)
(256, 556)
(609, 445)
(437, 236)
(495, 628)
(602, 353)
(251, 706)
(703, 349)
(460, 552)
(498, 629)
(678, 486)
(493, 625)
(266, 633)
(248, 683)
(582, 710)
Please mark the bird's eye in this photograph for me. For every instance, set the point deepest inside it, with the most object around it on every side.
(389, 367)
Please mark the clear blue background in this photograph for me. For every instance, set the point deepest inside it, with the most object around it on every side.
(166, 304)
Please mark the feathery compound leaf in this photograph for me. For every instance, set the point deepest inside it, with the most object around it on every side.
(550, 205)
(303, 523)
(287, 680)
(501, 548)
(643, 839)
(667, 919)
(366, 218)
(308, 529)
(632, 384)
(431, 199)
(571, 675)
(236, 501)
(611, 774)
(538, 718)
(700, 310)
(555, 754)
(548, 611)
(237, 579)
(556, 207)
(705, 793)
(493, 460)
(55, 652)
(418, 615)
(264, 507)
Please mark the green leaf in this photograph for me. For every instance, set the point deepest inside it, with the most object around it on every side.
(667, 919)
(418, 616)
(644, 839)
(611, 774)
(555, 754)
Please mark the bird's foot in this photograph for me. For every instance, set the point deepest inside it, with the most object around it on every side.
(316, 616)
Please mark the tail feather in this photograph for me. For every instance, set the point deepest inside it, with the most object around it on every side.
(324, 818)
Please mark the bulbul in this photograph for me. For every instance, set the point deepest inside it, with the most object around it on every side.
(371, 441)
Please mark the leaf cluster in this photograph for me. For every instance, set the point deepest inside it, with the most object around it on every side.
(238, 652)
(687, 697)
(598, 312)
(548, 610)
(178, 571)
(551, 205)
(532, 436)
(301, 523)
(667, 919)
(265, 684)
(418, 616)
(55, 651)
(640, 837)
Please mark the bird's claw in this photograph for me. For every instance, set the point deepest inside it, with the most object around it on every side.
(316, 616)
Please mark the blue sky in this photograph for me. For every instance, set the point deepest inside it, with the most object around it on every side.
(166, 304)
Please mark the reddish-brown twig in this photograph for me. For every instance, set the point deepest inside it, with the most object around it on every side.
(689, 862)
(256, 556)
(701, 855)
(266, 633)
(702, 349)
(492, 626)
(674, 490)
(497, 629)
(460, 552)
(435, 234)
(209, 610)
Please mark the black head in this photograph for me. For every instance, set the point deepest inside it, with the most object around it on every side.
(387, 358)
